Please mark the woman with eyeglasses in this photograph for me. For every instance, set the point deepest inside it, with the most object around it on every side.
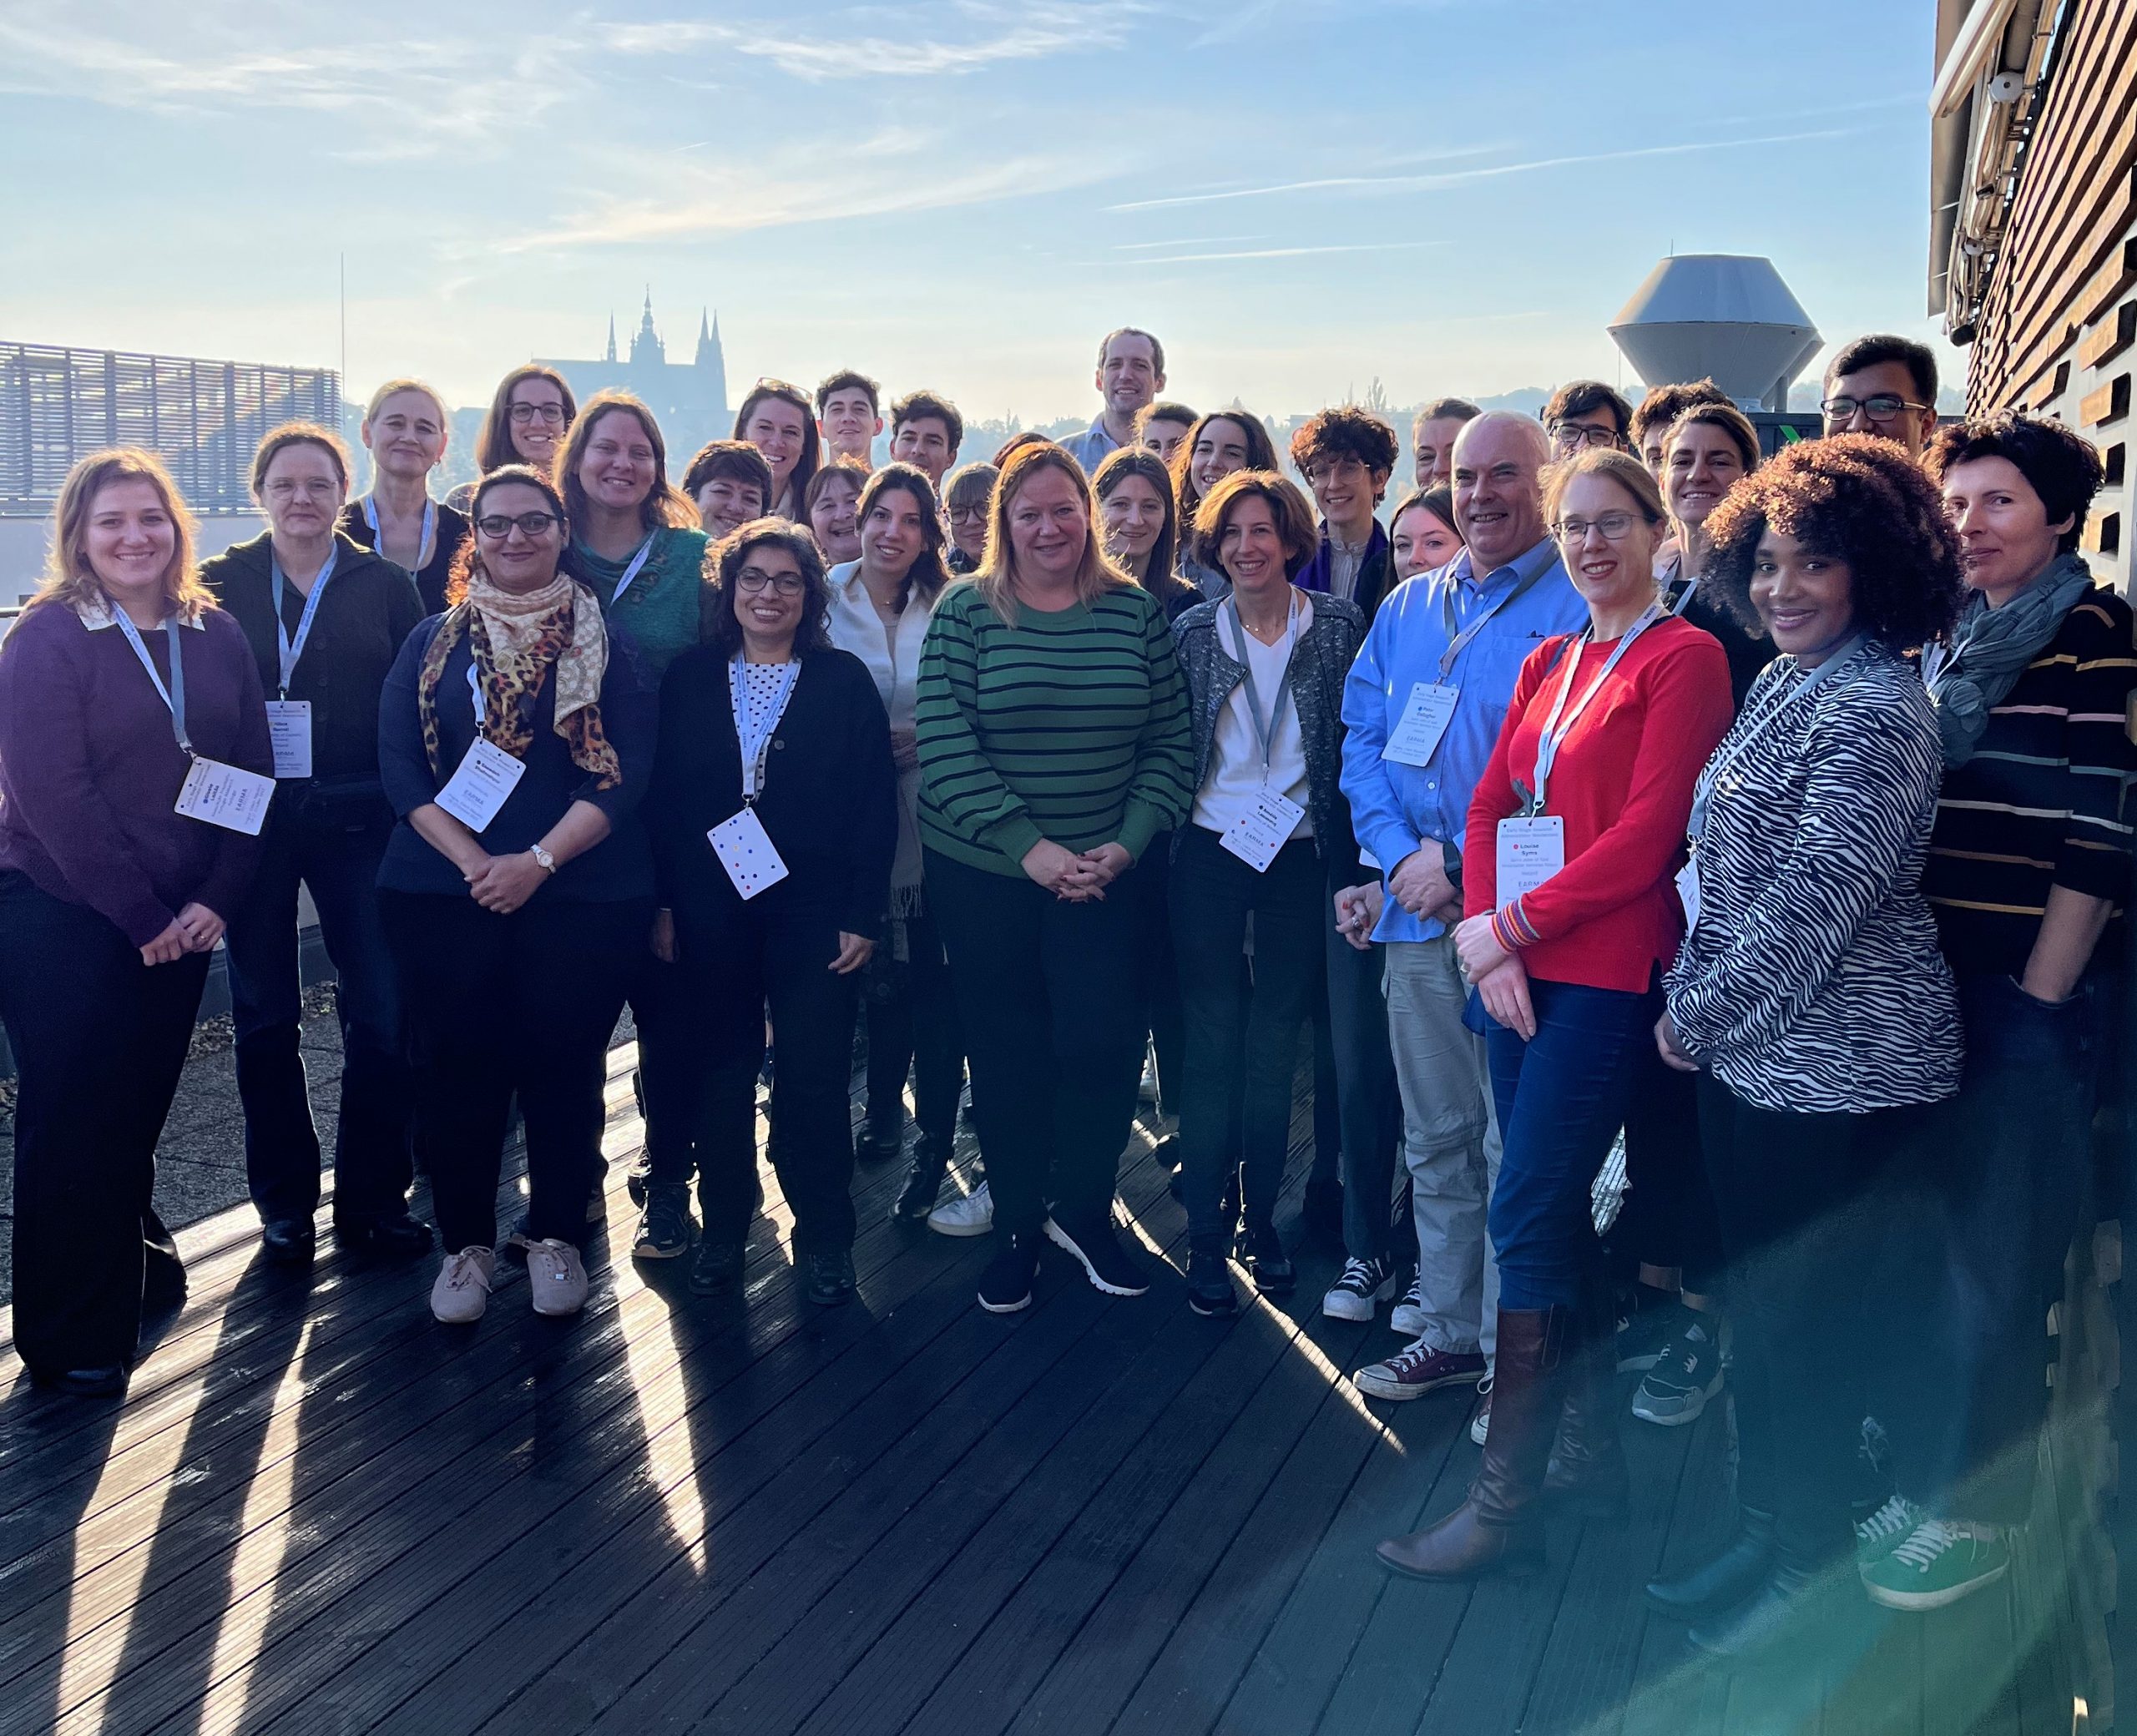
(1220, 442)
(832, 502)
(529, 415)
(326, 620)
(774, 817)
(964, 512)
(779, 420)
(1574, 833)
(515, 737)
(879, 608)
(404, 428)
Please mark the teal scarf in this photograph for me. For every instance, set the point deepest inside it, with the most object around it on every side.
(1991, 648)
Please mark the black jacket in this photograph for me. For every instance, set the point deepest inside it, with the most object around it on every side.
(829, 801)
(370, 608)
(453, 530)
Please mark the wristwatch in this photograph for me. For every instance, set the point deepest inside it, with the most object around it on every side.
(543, 859)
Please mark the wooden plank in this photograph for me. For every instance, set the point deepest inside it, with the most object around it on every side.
(2110, 338)
(2108, 402)
(1676, 1690)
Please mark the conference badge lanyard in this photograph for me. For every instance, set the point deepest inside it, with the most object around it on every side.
(487, 775)
(289, 721)
(1532, 845)
(1416, 737)
(216, 793)
(1687, 876)
(744, 847)
(1264, 829)
(631, 571)
(425, 544)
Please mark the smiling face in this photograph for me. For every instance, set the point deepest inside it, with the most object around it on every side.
(617, 467)
(518, 561)
(1606, 542)
(1422, 543)
(893, 536)
(1131, 517)
(537, 414)
(1498, 507)
(1219, 449)
(302, 491)
(1162, 436)
(130, 539)
(1435, 450)
(1250, 549)
(1346, 492)
(848, 424)
(924, 442)
(727, 503)
(1050, 527)
(832, 518)
(779, 430)
(406, 435)
(1127, 377)
(769, 590)
(2005, 539)
(1806, 598)
(1703, 465)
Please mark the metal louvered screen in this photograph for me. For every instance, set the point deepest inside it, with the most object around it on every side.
(204, 418)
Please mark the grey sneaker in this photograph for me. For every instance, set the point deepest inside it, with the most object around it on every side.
(972, 1214)
(556, 1276)
(1409, 1318)
(462, 1289)
(1480, 1425)
(1686, 1374)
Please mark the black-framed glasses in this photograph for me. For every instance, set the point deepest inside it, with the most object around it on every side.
(1573, 436)
(1880, 407)
(783, 584)
(553, 414)
(1615, 527)
(968, 515)
(496, 526)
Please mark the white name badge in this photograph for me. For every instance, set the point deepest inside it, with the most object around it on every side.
(1688, 893)
(1265, 828)
(745, 852)
(1530, 851)
(289, 727)
(1424, 720)
(485, 781)
(226, 795)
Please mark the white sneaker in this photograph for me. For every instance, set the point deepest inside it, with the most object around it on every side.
(462, 1289)
(1410, 1317)
(1480, 1425)
(971, 1214)
(556, 1276)
(1365, 1284)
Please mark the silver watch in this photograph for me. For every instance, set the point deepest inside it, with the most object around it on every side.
(543, 859)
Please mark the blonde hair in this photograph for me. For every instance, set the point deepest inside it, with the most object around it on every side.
(67, 576)
(995, 579)
(393, 386)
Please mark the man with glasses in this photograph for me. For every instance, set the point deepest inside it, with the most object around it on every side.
(1422, 706)
(1585, 413)
(1131, 373)
(1884, 385)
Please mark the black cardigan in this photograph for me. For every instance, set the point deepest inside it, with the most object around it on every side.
(829, 800)
(453, 530)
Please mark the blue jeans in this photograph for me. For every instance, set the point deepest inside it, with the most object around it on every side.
(1561, 1098)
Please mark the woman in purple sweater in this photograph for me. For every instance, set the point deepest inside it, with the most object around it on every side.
(134, 758)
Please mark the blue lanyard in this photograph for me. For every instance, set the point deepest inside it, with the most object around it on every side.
(428, 540)
(1554, 734)
(289, 651)
(755, 740)
(1265, 725)
(172, 696)
(1458, 642)
(1749, 730)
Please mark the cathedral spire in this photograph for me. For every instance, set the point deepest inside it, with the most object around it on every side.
(612, 337)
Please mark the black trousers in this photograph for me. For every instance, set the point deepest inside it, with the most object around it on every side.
(1049, 995)
(1166, 1017)
(1242, 1047)
(779, 955)
(912, 1011)
(1368, 1102)
(100, 1040)
(336, 855)
(496, 1006)
(1803, 1211)
(1668, 1216)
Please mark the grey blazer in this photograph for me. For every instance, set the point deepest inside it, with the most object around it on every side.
(1320, 662)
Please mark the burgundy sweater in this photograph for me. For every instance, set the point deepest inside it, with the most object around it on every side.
(90, 770)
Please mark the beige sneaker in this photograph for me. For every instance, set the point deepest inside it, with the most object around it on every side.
(462, 1289)
(556, 1276)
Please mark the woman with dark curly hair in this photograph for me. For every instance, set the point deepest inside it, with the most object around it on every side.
(773, 811)
(1810, 994)
(2028, 861)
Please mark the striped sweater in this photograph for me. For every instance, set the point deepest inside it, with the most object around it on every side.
(1069, 726)
(2040, 804)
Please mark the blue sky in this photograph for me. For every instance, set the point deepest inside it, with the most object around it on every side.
(1297, 195)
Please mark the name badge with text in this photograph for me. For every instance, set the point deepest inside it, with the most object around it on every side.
(1424, 720)
(1530, 851)
(1265, 828)
(289, 727)
(226, 795)
(1688, 893)
(745, 850)
(484, 783)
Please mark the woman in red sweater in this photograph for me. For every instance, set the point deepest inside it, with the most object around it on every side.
(1575, 834)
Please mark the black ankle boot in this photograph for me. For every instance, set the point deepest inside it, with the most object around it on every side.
(1791, 1602)
(1725, 1581)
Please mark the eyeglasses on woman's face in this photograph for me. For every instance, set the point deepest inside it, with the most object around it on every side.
(497, 526)
(751, 581)
(552, 413)
(1615, 527)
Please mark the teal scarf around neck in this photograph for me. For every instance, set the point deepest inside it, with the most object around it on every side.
(1990, 649)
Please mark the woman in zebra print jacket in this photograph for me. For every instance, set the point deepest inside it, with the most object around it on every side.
(1811, 992)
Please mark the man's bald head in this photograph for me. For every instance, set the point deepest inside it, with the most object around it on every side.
(1498, 490)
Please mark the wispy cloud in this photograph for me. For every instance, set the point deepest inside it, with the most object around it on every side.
(1285, 253)
(1184, 241)
(1455, 177)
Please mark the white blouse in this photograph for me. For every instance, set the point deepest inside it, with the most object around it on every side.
(1234, 778)
(892, 655)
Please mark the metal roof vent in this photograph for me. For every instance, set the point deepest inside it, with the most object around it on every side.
(1725, 316)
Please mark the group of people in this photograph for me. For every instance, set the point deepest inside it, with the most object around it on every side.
(1765, 812)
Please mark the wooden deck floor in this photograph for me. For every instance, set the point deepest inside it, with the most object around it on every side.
(319, 1512)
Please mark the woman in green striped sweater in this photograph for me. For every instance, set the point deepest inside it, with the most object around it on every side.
(1052, 732)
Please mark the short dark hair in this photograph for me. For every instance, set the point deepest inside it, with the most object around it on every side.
(723, 563)
(848, 380)
(1157, 349)
(1441, 408)
(2062, 467)
(1289, 507)
(1663, 404)
(1584, 397)
(1346, 432)
(917, 406)
(1857, 498)
(1919, 360)
(728, 461)
(1163, 410)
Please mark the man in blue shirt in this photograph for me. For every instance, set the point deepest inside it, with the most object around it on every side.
(1131, 373)
(1422, 710)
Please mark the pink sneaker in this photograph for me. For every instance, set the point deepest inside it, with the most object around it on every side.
(1417, 1370)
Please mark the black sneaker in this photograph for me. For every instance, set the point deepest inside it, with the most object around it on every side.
(923, 1186)
(830, 1277)
(1096, 1245)
(639, 1178)
(1687, 1374)
(877, 1143)
(1006, 1285)
(664, 1232)
(717, 1269)
(1261, 1256)
(1210, 1291)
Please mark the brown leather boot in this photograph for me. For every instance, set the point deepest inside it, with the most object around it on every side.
(1499, 1527)
(1587, 1471)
